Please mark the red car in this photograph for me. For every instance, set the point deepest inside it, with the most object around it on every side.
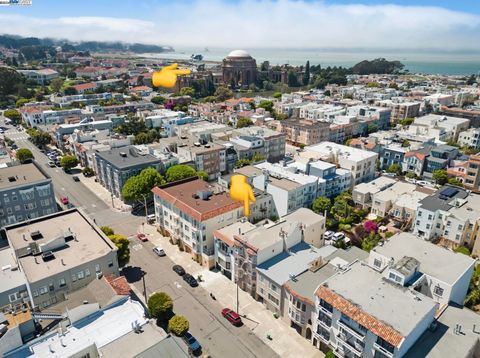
(232, 316)
(142, 237)
(64, 200)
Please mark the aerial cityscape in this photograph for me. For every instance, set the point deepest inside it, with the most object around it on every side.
(240, 178)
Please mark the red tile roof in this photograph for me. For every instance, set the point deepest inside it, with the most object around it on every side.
(85, 86)
(227, 240)
(381, 329)
(119, 285)
(182, 194)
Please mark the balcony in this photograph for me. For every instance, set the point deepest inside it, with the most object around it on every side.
(348, 346)
(324, 310)
(382, 350)
(351, 331)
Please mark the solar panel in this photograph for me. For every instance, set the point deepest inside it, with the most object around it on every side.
(449, 192)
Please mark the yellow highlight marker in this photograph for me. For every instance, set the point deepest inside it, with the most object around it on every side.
(167, 76)
(240, 190)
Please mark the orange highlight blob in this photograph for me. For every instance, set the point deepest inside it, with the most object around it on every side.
(167, 76)
(240, 190)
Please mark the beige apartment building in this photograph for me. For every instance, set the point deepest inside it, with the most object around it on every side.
(304, 131)
(472, 176)
(60, 253)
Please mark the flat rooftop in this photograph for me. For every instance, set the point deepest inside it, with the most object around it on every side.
(342, 151)
(374, 186)
(90, 243)
(10, 276)
(249, 171)
(19, 175)
(388, 303)
(184, 195)
(435, 261)
(226, 234)
(125, 157)
(307, 282)
(444, 342)
(280, 268)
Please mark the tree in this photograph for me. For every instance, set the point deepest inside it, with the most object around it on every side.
(370, 241)
(10, 82)
(203, 175)
(13, 114)
(342, 206)
(121, 242)
(321, 205)
(244, 122)
(158, 100)
(306, 76)
(370, 226)
(21, 101)
(178, 325)
(440, 176)
(395, 169)
(242, 162)
(24, 154)
(473, 295)
(406, 121)
(292, 79)
(372, 127)
(160, 305)
(56, 84)
(39, 138)
(223, 93)
(139, 187)
(410, 175)
(277, 95)
(107, 230)
(143, 138)
(187, 91)
(68, 91)
(455, 182)
(405, 143)
(68, 162)
(267, 105)
(88, 172)
(179, 172)
(258, 158)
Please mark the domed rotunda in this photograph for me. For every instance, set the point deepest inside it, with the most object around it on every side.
(239, 69)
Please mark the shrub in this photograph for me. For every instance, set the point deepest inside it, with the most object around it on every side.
(107, 230)
(178, 325)
(88, 172)
(24, 154)
(160, 305)
(370, 226)
(389, 234)
(463, 250)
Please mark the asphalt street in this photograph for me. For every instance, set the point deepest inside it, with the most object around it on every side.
(77, 193)
(218, 337)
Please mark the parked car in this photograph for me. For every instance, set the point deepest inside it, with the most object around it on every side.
(151, 218)
(159, 251)
(2, 131)
(51, 164)
(191, 342)
(64, 200)
(179, 270)
(339, 236)
(391, 175)
(423, 183)
(232, 316)
(190, 280)
(142, 237)
(75, 178)
(327, 235)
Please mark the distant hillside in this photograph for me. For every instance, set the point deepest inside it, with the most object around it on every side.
(377, 66)
(36, 48)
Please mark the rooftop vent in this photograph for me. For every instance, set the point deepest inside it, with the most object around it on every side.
(36, 235)
(47, 256)
(12, 179)
(123, 154)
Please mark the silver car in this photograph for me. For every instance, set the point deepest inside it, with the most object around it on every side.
(159, 251)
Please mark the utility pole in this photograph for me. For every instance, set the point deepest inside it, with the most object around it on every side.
(144, 287)
(238, 312)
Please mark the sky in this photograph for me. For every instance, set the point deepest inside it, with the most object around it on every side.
(445, 25)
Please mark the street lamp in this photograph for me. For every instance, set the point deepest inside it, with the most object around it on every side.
(144, 287)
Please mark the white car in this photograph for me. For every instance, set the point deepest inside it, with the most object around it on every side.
(339, 236)
(327, 235)
(159, 251)
(51, 164)
(423, 183)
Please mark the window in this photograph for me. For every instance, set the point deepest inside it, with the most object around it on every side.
(50, 287)
(273, 287)
(377, 263)
(62, 282)
(326, 305)
(273, 299)
(110, 263)
(43, 290)
(419, 213)
(97, 268)
(74, 277)
(384, 344)
(87, 272)
(430, 217)
(438, 225)
(438, 290)
(14, 297)
(460, 227)
(35, 293)
(80, 275)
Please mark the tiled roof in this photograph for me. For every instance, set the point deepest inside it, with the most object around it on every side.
(119, 284)
(85, 86)
(218, 234)
(381, 329)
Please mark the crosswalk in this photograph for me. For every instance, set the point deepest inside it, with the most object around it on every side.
(14, 134)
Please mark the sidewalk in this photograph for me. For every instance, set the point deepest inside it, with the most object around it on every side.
(104, 194)
(259, 320)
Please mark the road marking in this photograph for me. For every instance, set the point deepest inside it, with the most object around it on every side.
(137, 247)
(177, 285)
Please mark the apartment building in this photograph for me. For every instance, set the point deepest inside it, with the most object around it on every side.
(380, 115)
(429, 269)
(190, 210)
(275, 272)
(42, 76)
(451, 214)
(384, 201)
(470, 138)
(442, 128)
(362, 194)
(401, 110)
(26, 192)
(384, 320)
(268, 143)
(115, 165)
(60, 253)
(392, 154)
(299, 309)
(241, 246)
(472, 177)
(13, 285)
(304, 131)
(359, 162)
(290, 191)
